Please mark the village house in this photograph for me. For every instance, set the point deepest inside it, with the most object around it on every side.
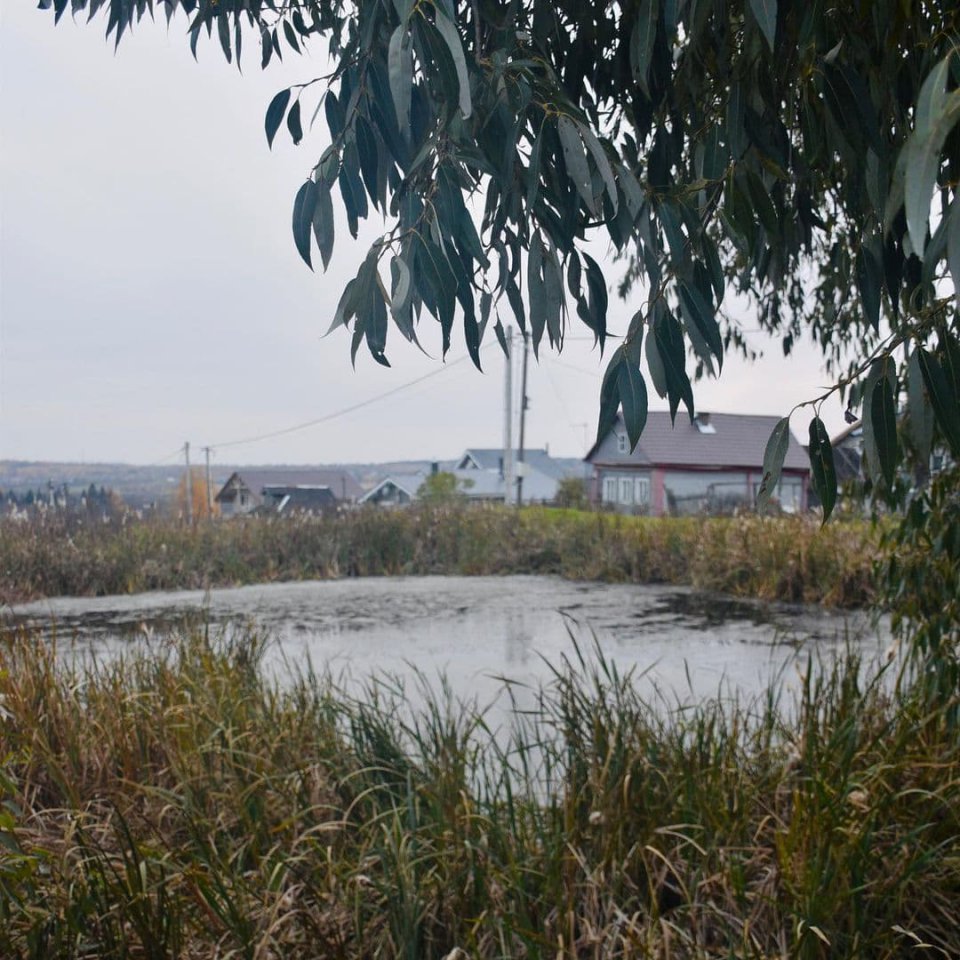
(480, 477)
(395, 490)
(286, 491)
(712, 465)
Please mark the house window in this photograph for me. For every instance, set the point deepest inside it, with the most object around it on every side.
(621, 443)
(641, 491)
(610, 489)
(626, 490)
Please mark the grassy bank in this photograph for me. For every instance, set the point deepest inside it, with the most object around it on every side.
(175, 804)
(778, 559)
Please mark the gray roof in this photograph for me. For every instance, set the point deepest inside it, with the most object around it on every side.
(737, 440)
(303, 499)
(343, 484)
(540, 460)
(409, 483)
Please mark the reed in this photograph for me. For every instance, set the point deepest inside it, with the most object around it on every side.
(785, 558)
(183, 801)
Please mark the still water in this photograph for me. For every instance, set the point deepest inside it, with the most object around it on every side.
(476, 630)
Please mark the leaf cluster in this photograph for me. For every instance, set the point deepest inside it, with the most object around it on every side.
(805, 155)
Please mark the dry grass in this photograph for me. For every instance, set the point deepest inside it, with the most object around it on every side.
(778, 558)
(175, 803)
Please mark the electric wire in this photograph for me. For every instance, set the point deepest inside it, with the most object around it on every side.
(342, 412)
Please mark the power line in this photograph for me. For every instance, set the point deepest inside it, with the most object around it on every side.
(340, 413)
(593, 374)
(160, 461)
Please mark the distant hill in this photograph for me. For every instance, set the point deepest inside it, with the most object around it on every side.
(143, 486)
(139, 486)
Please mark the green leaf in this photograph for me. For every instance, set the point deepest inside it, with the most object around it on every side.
(303, 208)
(375, 322)
(822, 470)
(610, 395)
(400, 296)
(953, 244)
(946, 404)
(553, 288)
(871, 454)
(655, 365)
(533, 170)
(400, 72)
(223, 29)
(633, 400)
(631, 190)
(883, 417)
(288, 32)
(869, 274)
(266, 46)
(950, 351)
(401, 300)
(773, 457)
(919, 409)
(765, 12)
(595, 312)
(937, 113)
(323, 223)
(334, 114)
(346, 307)
(535, 291)
(762, 203)
(368, 155)
(451, 37)
(697, 309)
(736, 130)
(922, 166)
(932, 95)
(642, 39)
(275, 112)
(437, 286)
(516, 303)
(351, 189)
(293, 123)
(712, 257)
(576, 161)
(602, 164)
(670, 345)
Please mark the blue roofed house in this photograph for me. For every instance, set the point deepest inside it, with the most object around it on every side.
(395, 489)
(480, 477)
(712, 465)
(480, 471)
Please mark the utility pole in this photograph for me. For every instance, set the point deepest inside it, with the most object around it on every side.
(206, 451)
(189, 485)
(523, 418)
(508, 491)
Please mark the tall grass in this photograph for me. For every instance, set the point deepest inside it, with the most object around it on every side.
(779, 559)
(177, 803)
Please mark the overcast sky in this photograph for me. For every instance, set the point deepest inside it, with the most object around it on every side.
(150, 291)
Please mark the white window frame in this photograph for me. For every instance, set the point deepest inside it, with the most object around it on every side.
(621, 443)
(641, 491)
(609, 489)
(625, 492)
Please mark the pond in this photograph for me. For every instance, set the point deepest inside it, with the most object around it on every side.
(476, 630)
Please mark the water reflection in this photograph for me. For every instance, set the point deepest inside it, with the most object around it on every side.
(476, 630)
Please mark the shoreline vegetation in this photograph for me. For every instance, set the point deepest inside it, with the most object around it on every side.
(175, 802)
(776, 558)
